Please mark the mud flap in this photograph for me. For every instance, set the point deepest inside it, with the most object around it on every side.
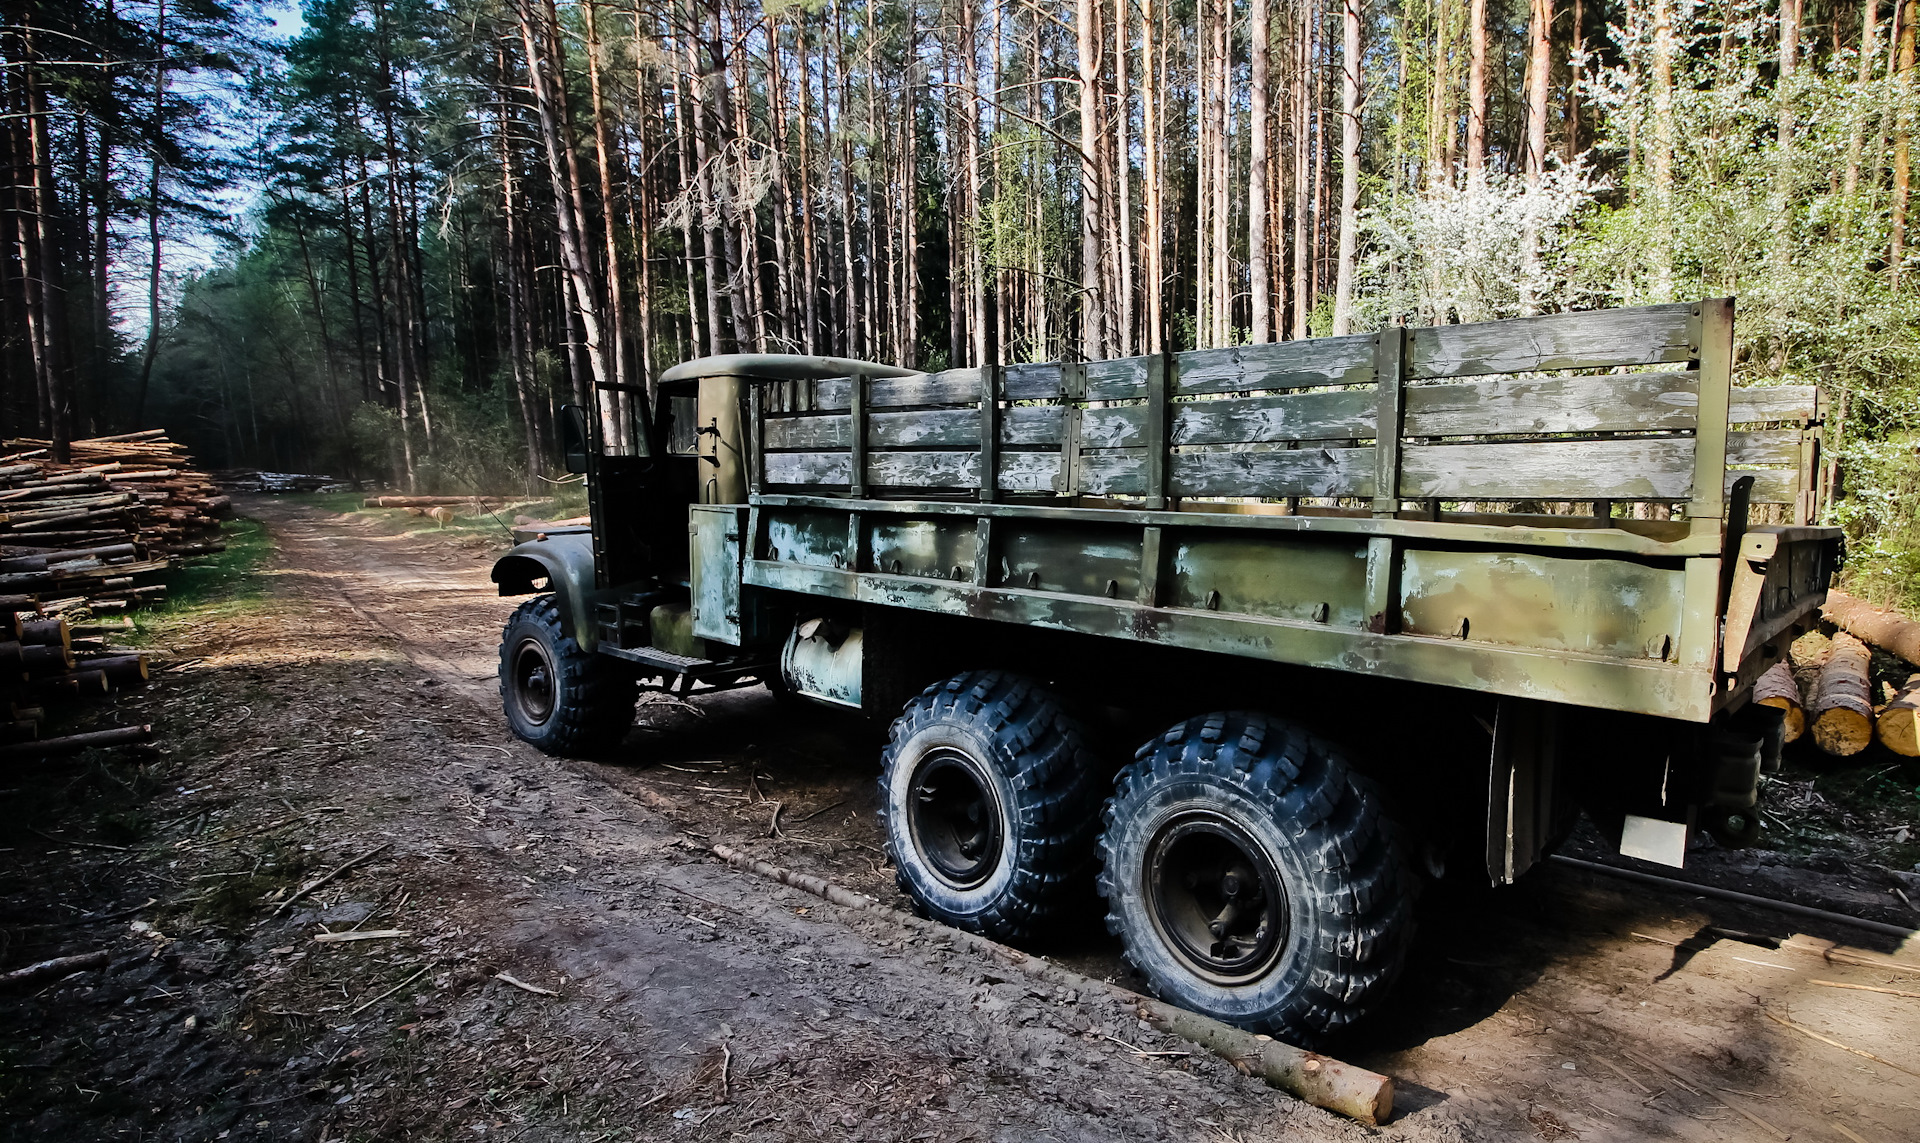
(1526, 809)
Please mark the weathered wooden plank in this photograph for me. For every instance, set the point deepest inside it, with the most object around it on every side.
(1774, 403)
(1038, 382)
(1656, 468)
(1122, 427)
(1765, 446)
(1339, 414)
(1273, 472)
(1601, 339)
(926, 428)
(1118, 472)
(1278, 365)
(1019, 471)
(953, 387)
(1620, 402)
(1770, 485)
(1122, 379)
(1659, 468)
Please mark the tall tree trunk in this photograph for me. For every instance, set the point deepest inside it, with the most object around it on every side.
(977, 322)
(538, 30)
(1087, 49)
(1152, 193)
(518, 333)
(709, 185)
(1869, 36)
(610, 246)
(1259, 37)
(685, 122)
(1903, 140)
(1221, 205)
(1576, 76)
(56, 379)
(153, 211)
(1777, 206)
(1539, 78)
(1349, 171)
(809, 239)
(1476, 88)
(1122, 183)
(1302, 166)
(1663, 143)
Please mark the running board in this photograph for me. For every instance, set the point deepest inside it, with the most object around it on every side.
(678, 674)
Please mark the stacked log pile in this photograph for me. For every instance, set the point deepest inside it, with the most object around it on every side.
(80, 539)
(1836, 680)
(43, 661)
(95, 532)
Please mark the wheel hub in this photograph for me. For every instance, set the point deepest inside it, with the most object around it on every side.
(533, 682)
(1215, 897)
(953, 818)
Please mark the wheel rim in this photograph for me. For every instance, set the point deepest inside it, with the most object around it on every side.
(953, 817)
(533, 680)
(1215, 898)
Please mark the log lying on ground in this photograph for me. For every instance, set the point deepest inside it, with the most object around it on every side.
(1309, 1076)
(74, 743)
(1887, 630)
(57, 967)
(1776, 688)
(1841, 707)
(423, 501)
(1898, 723)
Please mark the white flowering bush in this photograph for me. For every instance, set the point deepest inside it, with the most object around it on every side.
(1483, 248)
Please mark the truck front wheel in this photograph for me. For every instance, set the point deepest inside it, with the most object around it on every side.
(561, 698)
(991, 798)
(1252, 880)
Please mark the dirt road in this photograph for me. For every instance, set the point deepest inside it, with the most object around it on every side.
(658, 993)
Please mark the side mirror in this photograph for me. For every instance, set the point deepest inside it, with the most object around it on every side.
(574, 447)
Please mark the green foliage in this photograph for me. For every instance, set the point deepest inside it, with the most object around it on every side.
(1881, 515)
(222, 583)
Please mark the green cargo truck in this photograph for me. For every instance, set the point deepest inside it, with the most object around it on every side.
(1378, 604)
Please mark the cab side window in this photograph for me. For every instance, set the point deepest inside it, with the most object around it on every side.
(683, 435)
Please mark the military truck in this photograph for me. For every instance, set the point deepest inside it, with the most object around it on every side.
(1376, 605)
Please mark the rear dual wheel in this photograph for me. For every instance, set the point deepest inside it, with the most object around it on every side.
(1252, 879)
(992, 803)
(1246, 871)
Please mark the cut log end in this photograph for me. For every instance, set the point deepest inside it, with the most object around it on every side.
(1842, 703)
(1794, 719)
(1777, 688)
(1842, 733)
(1898, 724)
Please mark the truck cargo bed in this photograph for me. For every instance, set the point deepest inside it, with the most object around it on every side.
(1232, 500)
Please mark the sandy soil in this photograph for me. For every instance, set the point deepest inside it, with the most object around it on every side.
(673, 997)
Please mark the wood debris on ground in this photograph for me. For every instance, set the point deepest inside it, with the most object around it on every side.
(79, 540)
(255, 480)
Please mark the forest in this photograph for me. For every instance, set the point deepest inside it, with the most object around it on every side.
(432, 222)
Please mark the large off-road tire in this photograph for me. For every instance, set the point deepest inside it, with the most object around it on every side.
(565, 700)
(1253, 880)
(992, 804)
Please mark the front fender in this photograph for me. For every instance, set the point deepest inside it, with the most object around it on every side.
(565, 561)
